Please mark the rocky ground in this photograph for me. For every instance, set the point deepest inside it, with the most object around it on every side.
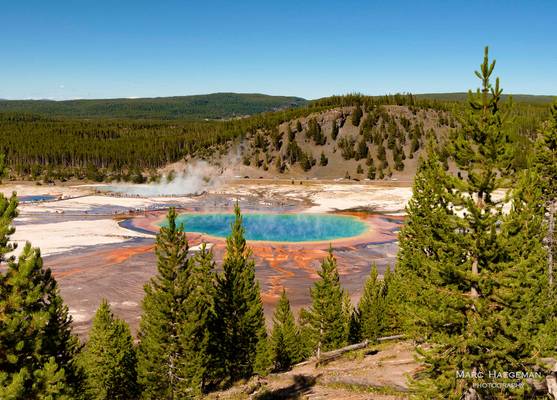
(378, 372)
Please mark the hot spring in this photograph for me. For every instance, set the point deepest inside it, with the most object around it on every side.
(276, 227)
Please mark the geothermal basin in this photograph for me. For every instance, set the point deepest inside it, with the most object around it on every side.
(276, 227)
(101, 245)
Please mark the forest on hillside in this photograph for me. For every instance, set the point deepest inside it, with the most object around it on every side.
(209, 106)
(51, 148)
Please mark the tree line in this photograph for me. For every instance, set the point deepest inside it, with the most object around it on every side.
(40, 147)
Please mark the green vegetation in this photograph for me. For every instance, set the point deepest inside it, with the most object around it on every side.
(174, 354)
(330, 312)
(207, 106)
(38, 353)
(109, 358)
(545, 163)
(285, 338)
(240, 320)
(477, 289)
(58, 146)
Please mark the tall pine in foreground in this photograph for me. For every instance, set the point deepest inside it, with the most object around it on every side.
(173, 354)
(37, 348)
(330, 312)
(195, 333)
(285, 338)
(109, 358)
(479, 281)
(241, 322)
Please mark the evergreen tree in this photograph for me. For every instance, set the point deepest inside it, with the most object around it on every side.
(109, 358)
(239, 307)
(285, 337)
(37, 349)
(371, 307)
(393, 296)
(263, 364)
(196, 332)
(173, 352)
(477, 281)
(279, 166)
(8, 211)
(290, 134)
(334, 132)
(362, 150)
(323, 160)
(546, 166)
(371, 171)
(357, 115)
(329, 316)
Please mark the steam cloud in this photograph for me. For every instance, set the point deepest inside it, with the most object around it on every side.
(197, 177)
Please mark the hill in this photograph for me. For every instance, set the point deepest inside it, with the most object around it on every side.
(462, 96)
(341, 137)
(207, 106)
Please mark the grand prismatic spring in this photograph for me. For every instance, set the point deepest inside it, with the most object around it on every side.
(277, 227)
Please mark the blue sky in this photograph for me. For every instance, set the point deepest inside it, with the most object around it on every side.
(99, 49)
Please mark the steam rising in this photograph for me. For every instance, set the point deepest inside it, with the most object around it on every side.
(196, 178)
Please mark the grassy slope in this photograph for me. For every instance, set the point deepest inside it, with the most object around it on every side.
(210, 106)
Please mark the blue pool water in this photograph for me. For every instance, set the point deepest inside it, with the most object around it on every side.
(34, 198)
(277, 227)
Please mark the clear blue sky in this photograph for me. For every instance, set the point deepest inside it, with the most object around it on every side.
(122, 48)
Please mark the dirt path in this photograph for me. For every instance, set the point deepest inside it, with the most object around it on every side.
(378, 372)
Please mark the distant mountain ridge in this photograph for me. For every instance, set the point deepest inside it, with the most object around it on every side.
(197, 107)
(461, 96)
(207, 106)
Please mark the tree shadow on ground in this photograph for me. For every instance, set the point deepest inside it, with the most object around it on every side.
(302, 385)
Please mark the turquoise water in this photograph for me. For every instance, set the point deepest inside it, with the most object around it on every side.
(277, 227)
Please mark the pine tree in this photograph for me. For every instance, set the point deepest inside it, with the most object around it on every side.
(371, 171)
(109, 358)
(371, 307)
(357, 115)
(474, 287)
(8, 212)
(239, 307)
(546, 166)
(323, 160)
(196, 332)
(285, 337)
(263, 364)
(172, 353)
(329, 316)
(362, 150)
(334, 131)
(393, 296)
(37, 349)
